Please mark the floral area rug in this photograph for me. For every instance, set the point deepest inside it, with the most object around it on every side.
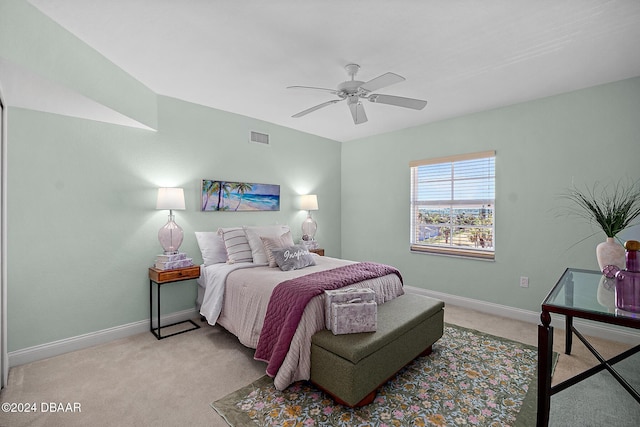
(470, 379)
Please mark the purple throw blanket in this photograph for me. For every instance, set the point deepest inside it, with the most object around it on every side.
(290, 298)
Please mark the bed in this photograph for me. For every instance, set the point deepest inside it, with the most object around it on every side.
(236, 293)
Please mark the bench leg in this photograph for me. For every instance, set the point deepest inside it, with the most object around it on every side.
(365, 400)
(427, 351)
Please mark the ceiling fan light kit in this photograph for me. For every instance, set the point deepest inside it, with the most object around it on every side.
(355, 90)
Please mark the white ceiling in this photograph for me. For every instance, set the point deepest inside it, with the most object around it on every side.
(461, 56)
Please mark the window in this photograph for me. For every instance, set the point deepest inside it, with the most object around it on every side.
(453, 205)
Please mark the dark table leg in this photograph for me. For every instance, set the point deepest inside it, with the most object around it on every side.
(568, 338)
(568, 300)
(151, 305)
(545, 358)
(159, 333)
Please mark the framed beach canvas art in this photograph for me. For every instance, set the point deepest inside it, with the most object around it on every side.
(239, 196)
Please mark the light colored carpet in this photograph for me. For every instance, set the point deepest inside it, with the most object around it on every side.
(145, 382)
(594, 402)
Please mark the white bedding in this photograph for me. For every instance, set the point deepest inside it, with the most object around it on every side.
(212, 279)
(240, 305)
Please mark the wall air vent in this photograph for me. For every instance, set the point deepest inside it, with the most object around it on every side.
(259, 138)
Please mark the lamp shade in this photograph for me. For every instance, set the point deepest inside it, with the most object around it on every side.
(309, 202)
(170, 198)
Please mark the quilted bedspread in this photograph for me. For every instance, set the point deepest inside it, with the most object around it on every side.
(290, 298)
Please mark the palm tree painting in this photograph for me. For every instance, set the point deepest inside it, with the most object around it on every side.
(239, 196)
(241, 188)
(209, 188)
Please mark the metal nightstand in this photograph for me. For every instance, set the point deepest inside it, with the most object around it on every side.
(163, 277)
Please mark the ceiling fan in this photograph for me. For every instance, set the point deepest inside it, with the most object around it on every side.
(355, 90)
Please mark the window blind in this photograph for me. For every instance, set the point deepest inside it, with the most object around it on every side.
(452, 204)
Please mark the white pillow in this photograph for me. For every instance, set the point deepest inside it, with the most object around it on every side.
(272, 243)
(212, 247)
(235, 240)
(255, 233)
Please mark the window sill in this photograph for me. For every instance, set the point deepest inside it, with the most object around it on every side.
(458, 253)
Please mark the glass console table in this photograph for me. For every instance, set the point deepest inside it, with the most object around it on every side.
(583, 294)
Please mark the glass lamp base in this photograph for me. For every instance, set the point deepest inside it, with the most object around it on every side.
(309, 228)
(170, 237)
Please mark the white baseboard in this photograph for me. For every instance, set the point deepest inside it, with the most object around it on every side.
(55, 348)
(594, 329)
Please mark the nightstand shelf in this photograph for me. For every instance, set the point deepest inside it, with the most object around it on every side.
(163, 277)
(318, 251)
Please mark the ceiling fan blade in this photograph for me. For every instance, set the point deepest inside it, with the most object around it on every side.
(333, 91)
(384, 80)
(317, 107)
(399, 101)
(357, 111)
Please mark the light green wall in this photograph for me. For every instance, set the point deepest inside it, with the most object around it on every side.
(82, 224)
(542, 147)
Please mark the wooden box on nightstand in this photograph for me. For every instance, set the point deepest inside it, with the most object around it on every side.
(163, 276)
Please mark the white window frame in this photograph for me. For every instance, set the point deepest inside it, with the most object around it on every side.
(483, 247)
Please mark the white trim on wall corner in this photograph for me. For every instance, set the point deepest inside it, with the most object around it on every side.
(56, 348)
(4, 356)
(599, 330)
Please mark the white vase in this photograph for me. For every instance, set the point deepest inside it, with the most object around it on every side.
(610, 252)
(606, 293)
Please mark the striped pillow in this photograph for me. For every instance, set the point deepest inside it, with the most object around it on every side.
(235, 240)
(272, 243)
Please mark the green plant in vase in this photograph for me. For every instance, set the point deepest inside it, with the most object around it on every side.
(613, 208)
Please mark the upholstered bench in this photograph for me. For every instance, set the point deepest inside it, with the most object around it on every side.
(351, 367)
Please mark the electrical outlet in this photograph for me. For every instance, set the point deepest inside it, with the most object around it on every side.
(524, 282)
